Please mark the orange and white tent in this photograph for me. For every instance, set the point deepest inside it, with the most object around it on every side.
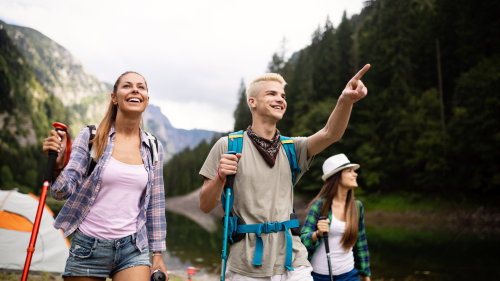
(17, 215)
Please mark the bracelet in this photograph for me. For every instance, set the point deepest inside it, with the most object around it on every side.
(219, 175)
(156, 255)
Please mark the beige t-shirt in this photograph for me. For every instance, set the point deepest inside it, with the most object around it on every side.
(262, 194)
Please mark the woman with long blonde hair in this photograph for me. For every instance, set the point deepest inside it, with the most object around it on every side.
(344, 225)
(116, 212)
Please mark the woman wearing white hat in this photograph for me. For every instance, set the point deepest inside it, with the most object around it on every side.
(345, 224)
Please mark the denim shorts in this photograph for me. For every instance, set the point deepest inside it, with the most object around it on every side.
(92, 257)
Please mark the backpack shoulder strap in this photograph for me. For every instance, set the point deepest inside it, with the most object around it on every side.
(93, 132)
(235, 142)
(289, 147)
(358, 206)
(153, 147)
(91, 162)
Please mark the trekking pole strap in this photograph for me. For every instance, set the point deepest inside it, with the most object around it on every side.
(269, 227)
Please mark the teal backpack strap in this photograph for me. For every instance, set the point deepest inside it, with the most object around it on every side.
(269, 227)
(289, 147)
(235, 143)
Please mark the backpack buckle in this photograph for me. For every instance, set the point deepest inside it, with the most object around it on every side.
(271, 227)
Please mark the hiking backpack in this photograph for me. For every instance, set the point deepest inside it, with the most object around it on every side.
(237, 228)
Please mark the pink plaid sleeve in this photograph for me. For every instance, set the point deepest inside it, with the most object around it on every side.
(156, 223)
(71, 177)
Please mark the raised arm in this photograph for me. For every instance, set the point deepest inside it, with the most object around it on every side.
(337, 123)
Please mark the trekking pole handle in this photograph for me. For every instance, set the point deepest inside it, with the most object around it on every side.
(325, 234)
(230, 178)
(51, 162)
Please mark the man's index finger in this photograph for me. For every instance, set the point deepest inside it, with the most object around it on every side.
(362, 72)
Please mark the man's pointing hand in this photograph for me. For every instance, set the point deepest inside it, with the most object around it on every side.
(355, 89)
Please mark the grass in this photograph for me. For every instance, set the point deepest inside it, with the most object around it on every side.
(396, 201)
(45, 276)
(407, 201)
(400, 202)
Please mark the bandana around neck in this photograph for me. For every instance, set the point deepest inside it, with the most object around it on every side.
(267, 148)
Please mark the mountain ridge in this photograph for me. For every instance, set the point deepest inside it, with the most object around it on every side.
(84, 96)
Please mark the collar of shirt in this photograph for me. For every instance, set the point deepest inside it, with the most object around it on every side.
(144, 138)
(146, 158)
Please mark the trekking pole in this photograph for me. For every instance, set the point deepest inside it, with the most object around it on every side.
(327, 248)
(229, 189)
(41, 203)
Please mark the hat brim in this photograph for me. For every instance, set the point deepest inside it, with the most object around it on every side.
(326, 176)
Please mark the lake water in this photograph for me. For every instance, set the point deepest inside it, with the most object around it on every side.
(406, 251)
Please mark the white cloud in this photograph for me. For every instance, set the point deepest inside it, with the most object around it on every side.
(193, 115)
(192, 53)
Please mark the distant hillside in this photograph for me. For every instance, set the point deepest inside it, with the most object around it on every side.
(61, 73)
(63, 76)
(83, 97)
(26, 111)
(174, 140)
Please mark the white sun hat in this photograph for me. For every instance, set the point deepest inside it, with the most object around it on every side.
(336, 163)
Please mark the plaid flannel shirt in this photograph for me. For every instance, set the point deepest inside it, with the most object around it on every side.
(362, 258)
(81, 192)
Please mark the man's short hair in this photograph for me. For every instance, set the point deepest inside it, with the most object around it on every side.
(254, 86)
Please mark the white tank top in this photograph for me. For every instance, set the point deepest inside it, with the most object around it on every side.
(115, 210)
(342, 262)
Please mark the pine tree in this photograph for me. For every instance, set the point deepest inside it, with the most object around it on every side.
(277, 63)
(345, 33)
(242, 113)
(325, 54)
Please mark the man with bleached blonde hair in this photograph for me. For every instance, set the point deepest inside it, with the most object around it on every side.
(254, 86)
(263, 193)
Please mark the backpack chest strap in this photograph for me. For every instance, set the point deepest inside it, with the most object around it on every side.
(269, 227)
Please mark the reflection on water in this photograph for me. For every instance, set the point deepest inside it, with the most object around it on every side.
(189, 244)
(398, 252)
(434, 252)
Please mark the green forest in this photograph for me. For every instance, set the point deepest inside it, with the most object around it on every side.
(28, 110)
(430, 123)
(428, 126)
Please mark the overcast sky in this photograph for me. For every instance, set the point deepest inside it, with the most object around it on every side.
(193, 54)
